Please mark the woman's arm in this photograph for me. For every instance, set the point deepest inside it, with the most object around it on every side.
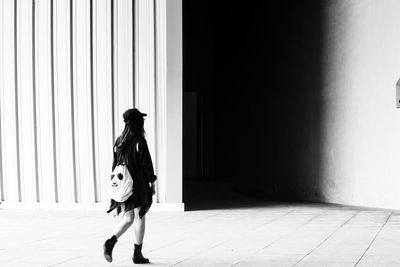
(146, 162)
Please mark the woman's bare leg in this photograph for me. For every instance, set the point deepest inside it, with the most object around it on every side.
(125, 222)
(140, 227)
(123, 225)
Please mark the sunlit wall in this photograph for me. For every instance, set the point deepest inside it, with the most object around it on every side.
(361, 126)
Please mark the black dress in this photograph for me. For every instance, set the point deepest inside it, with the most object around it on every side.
(138, 160)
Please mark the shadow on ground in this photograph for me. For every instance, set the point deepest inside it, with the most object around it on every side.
(208, 195)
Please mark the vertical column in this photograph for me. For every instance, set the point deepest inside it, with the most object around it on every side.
(72, 38)
(62, 98)
(2, 191)
(17, 67)
(53, 109)
(173, 185)
(93, 95)
(44, 101)
(145, 92)
(25, 103)
(136, 22)
(168, 60)
(34, 101)
(7, 98)
(113, 82)
(160, 33)
(123, 60)
(82, 100)
(133, 47)
(103, 93)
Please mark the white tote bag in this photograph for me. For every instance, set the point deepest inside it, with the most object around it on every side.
(121, 184)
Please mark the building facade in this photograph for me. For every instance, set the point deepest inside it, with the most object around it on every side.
(68, 70)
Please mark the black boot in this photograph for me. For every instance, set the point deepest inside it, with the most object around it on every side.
(138, 256)
(108, 248)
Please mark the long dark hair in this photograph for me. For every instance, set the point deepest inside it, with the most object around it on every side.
(134, 127)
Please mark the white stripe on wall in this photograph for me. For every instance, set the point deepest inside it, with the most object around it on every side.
(7, 99)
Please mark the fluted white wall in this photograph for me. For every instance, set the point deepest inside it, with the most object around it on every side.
(68, 70)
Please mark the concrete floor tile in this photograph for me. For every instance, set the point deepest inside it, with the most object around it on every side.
(269, 263)
(377, 264)
(325, 264)
(381, 259)
(275, 257)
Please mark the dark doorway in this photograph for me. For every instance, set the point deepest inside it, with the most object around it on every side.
(252, 101)
(206, 98)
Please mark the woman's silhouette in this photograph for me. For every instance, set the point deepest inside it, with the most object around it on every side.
(131, 148)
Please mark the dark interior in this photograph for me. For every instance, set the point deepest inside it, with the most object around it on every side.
(252, 109)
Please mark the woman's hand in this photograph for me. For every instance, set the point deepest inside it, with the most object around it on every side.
(153, 189)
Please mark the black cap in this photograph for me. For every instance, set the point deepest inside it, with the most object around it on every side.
(131, 114)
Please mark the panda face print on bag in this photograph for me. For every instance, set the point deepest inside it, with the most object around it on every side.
(120, 176)
(121, 184)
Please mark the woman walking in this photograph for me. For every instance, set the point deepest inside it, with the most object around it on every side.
(131, 148)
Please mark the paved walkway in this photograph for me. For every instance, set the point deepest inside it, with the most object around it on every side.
(263, 235)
